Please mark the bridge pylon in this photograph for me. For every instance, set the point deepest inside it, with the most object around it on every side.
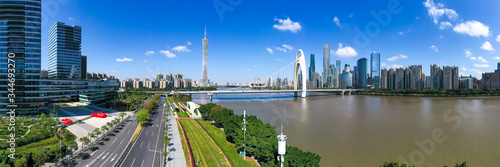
(301, 62)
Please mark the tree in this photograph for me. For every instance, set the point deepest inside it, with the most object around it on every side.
(73, 145)
(92, 135)
(104, 128)
(109, 124)
(122, 114)
(206, 109)
(85, 140)
(142, 116)
(22, 162)
(97, 132)
(40, 158)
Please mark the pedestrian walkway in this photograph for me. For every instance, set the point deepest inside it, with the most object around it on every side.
(176, 154)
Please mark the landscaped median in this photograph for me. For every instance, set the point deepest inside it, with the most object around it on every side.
(137, 131)
(204, 151)
(227, 147)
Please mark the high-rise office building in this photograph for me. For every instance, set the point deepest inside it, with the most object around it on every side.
(65, 51)
(346, 78)
(312, 68)
(20, 31)
(204, 77)
(338, 64)
(361, 74)
(326, 63)
(375, 69)
(498, 66)
(83, 73)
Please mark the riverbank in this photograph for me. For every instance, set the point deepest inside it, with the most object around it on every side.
(426, 95)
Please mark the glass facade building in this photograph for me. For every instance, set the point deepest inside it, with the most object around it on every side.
(20, 36)
(375, 69)
(361, 74)
(65, 51)
(312, 68)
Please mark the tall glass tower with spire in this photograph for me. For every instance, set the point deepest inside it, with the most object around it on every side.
(204, 78)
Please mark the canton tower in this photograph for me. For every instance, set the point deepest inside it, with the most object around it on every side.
(204, 79)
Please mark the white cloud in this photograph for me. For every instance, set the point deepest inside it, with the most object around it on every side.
(482, 60)
(472, 28)
(383, 64)
(145, 61)
(473, 58)
(498, 38)
(337, 21)
(464, 69)
(401, 33)
(478, 72)
(168, 54)
(280, 49)
(468, 53)
(71, 19)
(345, 52)
(434, 47)
(289, 47)
(482, 65)
(441, 36)
(287, 25)
(487, 46)
(444, 25)
(181, 49)
(280, 60)
(395, 58)
(396, 66)
(270, 50)
(149, 53)
(255, 66)
(497, 58)
(436, 11)
(189, 43)
(123, 60)
(248, 69)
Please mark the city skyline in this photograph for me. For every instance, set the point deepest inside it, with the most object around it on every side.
(420, 34)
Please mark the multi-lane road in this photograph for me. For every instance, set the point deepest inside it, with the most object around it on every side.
(148, 148)
(107, 152)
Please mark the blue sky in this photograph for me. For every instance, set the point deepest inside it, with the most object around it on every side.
(248, 39)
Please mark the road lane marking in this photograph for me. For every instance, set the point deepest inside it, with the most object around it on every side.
(147, 133)
(91, 162)
(106, 159)
(93, 152)
(132, 164)
(105, 155)
(121, 141)
(113, 158)
(141, 144)
(148, 144)
(152, 133)
(142, 162)
(115, 140)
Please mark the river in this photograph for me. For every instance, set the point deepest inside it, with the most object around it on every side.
(365, 130)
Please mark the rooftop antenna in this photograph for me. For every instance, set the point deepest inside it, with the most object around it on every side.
(205, 31)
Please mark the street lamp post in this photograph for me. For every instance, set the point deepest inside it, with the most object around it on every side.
(244, 134)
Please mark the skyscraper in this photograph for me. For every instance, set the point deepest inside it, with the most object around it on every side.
(436, 75)
(361, 74)
(384, 79)
(312, 68)
(204, 78)
(346, 78)
(20, 31)
(338, 64)
(375, 69)
(498, 68)
(65, 51)
(326, 63)
(399, 79)
(84, 67)
(450, 77)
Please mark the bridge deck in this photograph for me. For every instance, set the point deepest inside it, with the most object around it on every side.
(260, 91)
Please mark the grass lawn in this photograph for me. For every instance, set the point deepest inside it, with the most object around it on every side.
(137, 131)
(184, 145)
(228, 147)
(205, 152)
